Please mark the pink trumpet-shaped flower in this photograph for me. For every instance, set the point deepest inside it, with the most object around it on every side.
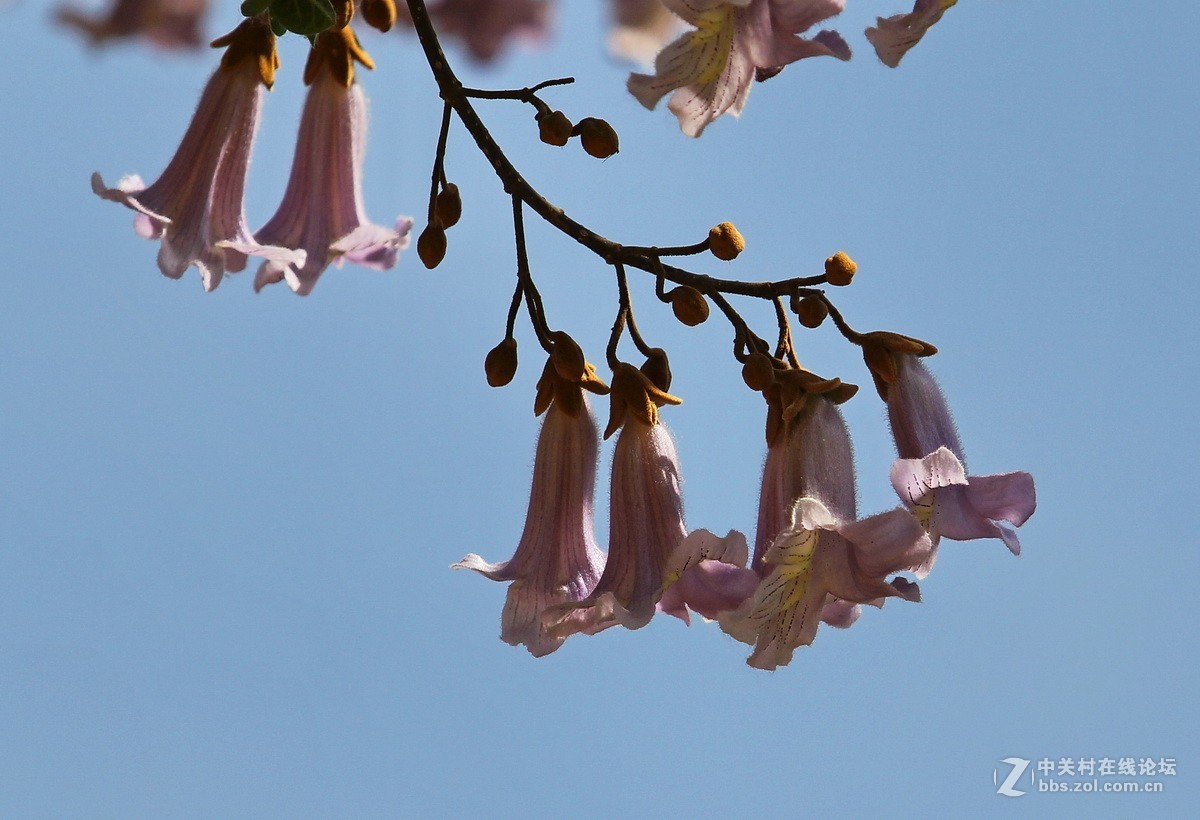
(322, 211)
(557, 560)
(195, 208)
(166, 23)
(710, 69)
(894, 36)
(645, 526)
(817, 557)
(931, 473)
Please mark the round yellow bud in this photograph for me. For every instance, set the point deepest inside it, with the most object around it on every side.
(725, 241)
(840, 269)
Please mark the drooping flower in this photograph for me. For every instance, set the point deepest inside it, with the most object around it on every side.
(819, 557)
(640, 29)
(710, 68)
(195, 208)
(645, 514)
(931, 474)
(894, 36)
(166, 23)
(557, 560)
(322, 214)
(485, 26)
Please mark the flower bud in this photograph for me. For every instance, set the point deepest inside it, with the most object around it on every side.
(725, 241)
(689, 305)
(598, 137)
(379, 14)
(567, 356)
(554, 128)
(758, 372)
(501, 363)
(811, 311)
(431, 245)
(447, 207)
(657, 369)
(839, 269)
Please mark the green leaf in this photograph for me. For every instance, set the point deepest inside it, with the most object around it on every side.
(252, 8)
(303, 16)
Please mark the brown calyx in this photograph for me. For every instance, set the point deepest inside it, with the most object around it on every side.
(338, 50)
(634, 395)
(567, 394)
(251, 40)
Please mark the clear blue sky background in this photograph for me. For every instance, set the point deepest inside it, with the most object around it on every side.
(226, 520)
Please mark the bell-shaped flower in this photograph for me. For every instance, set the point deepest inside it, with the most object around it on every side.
(645, 514)
(557, 559)
(931, 474)
(894, 36)
(166, 23)
(711, 67)
(707, 575)
(820, 557)
(322, 215)
(195, 208)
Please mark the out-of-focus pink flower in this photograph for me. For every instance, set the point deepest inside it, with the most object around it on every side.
(645, 514)
(894, 36)
(818, 557)
(166, 23)
(640, 29)
(195, 208)
(486, 26)
(710, 69)
(557, 560)
(931, 474)
(322, 213)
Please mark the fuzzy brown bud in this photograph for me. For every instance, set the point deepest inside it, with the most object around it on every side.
(501, 363)
(758, 372)
(431, 245)
(689, 305)
(379, 14)
(840, 269)
(447, 207)
(725, 241)
(567, 356)
(811, 311)
(658, 369)
(597, 137)
(554, 128)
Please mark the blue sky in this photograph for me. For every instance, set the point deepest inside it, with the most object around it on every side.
(226, 520)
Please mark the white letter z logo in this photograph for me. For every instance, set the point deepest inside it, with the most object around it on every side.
(1019, 765)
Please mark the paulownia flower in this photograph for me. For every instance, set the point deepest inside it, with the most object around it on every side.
(710, 69)
(816, 557)
(322, 214)
(557, 559)
(166, 23)
(195, 208)
(708, 575)
(645, 514)
(894, 36)
(931, 474)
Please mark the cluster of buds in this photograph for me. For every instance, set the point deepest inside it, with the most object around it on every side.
(598, 138)
(196, 208)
